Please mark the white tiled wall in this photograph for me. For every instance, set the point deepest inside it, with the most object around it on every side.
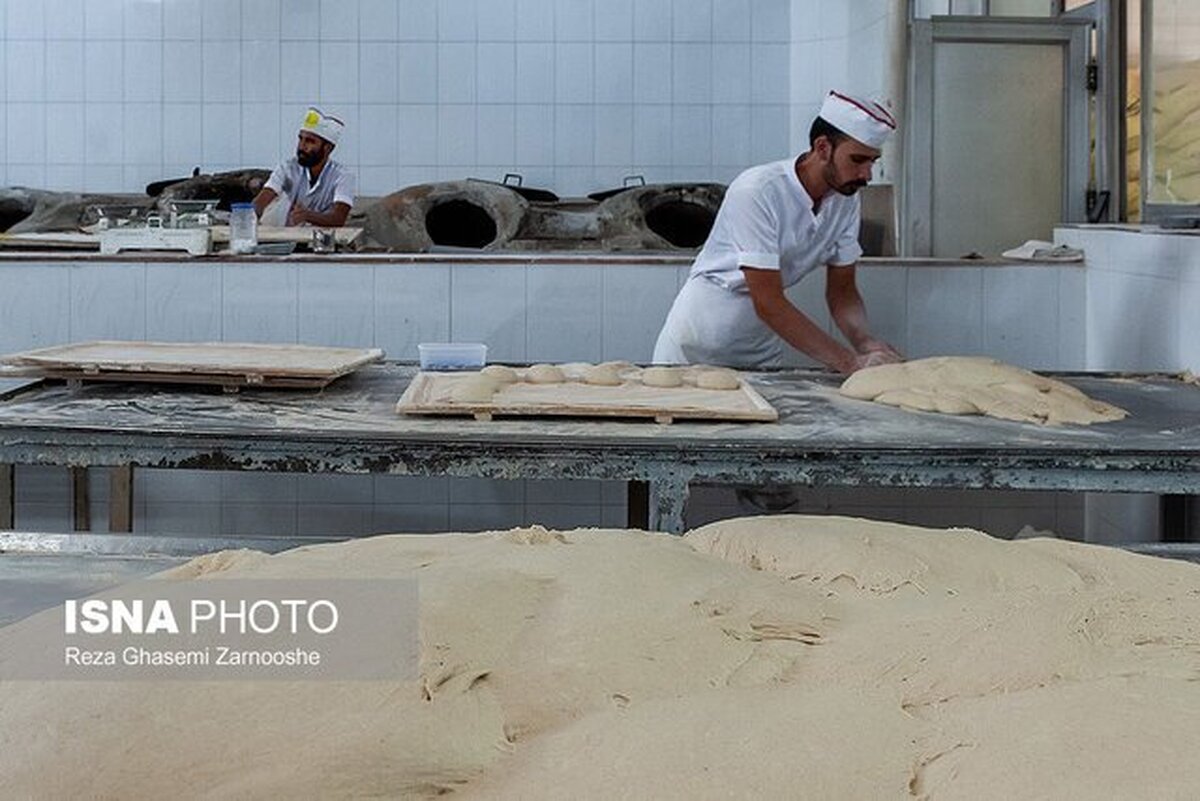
(1142, 294)
(108, 95)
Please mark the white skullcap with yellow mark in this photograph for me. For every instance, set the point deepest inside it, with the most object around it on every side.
(327, 127)
(864, 120)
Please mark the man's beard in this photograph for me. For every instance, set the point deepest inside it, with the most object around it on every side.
(307, 159)
(842, 188)
(850, 187)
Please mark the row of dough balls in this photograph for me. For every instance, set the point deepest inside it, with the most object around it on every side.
(481, 387)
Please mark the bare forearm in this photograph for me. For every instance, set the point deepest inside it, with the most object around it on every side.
(262, 200)
(334, 218)
(850, 315)
(795, 328)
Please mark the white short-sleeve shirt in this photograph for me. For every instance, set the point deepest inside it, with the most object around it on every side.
(335, 184)
(766, 221)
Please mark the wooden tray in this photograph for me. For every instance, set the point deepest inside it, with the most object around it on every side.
(228, 364)
(430, 393)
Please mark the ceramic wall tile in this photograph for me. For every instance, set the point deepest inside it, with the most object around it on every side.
(563, 320)
(1020, 316)
(487, 304)
(411, 518)
(945, 311)
(259, 302)
(182, 304)
(259, 520)
(108, 301)
(334, 305)
(636, 300)
(35, 306)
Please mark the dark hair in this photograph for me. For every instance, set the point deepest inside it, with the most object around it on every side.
(822, 128)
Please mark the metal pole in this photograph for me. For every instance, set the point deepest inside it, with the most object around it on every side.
(1147, 102)
(81, 506)
(7, 498)
(667, 498)
(120, 499)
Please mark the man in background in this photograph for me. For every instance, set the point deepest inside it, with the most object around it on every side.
(310, 189)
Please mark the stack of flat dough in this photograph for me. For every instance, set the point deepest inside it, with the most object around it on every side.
(977, 385)
(768, 658)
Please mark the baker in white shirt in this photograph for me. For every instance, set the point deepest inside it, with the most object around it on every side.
(312, 188)
(779, 222)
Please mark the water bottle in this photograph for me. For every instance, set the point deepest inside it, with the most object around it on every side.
(243, 228)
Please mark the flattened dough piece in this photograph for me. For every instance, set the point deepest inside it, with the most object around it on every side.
(978, 385)
(500, 374)
(603, 375)
(476, 389)
(662, 377)
(545, 374)
(717, 378)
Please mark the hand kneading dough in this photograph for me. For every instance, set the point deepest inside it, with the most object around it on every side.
(604, 375)
(476, 389)
(545, 374)
(718, 379)
(500, 374)
(977, 385)
(662, 377)
(760, 658)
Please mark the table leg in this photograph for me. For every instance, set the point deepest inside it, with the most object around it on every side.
(8, 498)
(1179, 513)
(667, 499)
(637, 505)
(81, 506)
(120, 500)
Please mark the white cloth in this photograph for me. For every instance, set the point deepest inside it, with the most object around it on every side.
(708, 324)
(276, 213)
(334, 185)
(327, 127)
(766, 221)
(864, 120)
(1041, 250)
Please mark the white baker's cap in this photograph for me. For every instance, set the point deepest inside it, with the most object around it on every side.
(327, 127)
(864, 120)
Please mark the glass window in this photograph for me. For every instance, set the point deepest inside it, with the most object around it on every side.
(1171, 159)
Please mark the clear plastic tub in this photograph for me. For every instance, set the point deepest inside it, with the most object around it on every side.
(447, 356)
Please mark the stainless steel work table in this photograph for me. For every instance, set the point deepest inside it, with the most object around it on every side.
(821, 439)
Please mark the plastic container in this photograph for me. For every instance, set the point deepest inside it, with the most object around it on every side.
(448, 356)
(243, 228)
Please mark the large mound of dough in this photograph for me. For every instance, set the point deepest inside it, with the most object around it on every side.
(977, 385)
(767, 658)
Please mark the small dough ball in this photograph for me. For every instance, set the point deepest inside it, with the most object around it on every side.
(662, 377)
(717, 379)
(545, 374)
(476, 389)
(500, 374)
(575, 371)
(603, 375)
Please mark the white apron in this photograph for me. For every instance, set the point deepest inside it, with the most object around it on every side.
(709, 324)
(276, 213)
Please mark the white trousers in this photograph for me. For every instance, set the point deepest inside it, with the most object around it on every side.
(709, 324)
